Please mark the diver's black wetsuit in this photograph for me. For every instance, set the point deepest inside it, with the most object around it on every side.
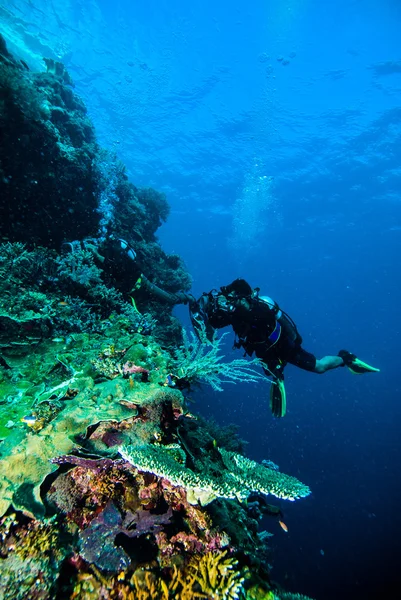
(260, 326)
(289, 347)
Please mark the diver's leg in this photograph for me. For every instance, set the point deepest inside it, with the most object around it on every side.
(308, 362)
(327, 363)
(278, 401)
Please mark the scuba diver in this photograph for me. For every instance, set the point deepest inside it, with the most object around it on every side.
(262, 328)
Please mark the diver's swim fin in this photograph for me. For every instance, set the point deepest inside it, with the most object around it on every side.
(278, 401)
(356, 366)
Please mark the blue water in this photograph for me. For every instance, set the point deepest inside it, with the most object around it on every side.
(274, 127)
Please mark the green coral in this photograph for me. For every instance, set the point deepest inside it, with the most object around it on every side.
(57, 384)
(240, 477)
(25, 460)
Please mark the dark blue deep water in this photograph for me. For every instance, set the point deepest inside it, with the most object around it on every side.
(274, 128)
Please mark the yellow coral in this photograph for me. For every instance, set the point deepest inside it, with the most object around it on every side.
(217, 576)
(149, 587)
(42, 539)
(214, 576)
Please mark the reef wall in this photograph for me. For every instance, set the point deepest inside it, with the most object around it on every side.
(60, 194)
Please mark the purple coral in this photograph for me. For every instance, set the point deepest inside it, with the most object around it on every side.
(98, 464)
(98, 540)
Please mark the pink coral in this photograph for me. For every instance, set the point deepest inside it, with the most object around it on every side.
(129, 368)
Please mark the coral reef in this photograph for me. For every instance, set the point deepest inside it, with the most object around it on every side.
(109, 487)
(214, 576)
(124, 528)
(49, 139)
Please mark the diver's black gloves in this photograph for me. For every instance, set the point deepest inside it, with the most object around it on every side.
(347, 357)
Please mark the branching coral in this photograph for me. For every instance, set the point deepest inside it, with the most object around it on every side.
(217, 576)
(79, 267)
(32, 283)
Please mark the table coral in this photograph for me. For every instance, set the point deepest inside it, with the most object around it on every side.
(240, 477)
(258, 478)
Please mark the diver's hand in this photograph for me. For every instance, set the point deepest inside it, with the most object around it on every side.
(348, 357)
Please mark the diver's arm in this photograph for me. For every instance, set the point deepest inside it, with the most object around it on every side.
(168, 297)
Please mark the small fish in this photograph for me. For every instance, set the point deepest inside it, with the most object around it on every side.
(58, 340)
(63, 303)
(283, 526)
(30, 420)
(169, 381)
